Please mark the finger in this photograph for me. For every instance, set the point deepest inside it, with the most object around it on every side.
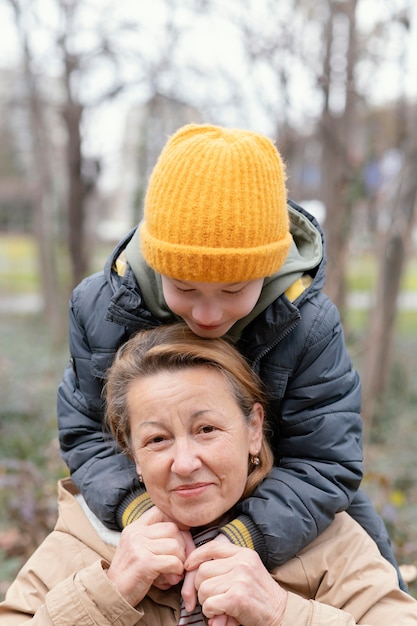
(165, 581)
(189, 543)
(210, 551)
(194, 577)
(188, 591)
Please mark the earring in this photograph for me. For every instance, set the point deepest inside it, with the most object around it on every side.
(254, 459)
(140, 477)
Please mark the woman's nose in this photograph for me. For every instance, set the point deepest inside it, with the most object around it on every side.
(185, 460)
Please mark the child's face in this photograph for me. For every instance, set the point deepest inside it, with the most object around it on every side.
(211, 309)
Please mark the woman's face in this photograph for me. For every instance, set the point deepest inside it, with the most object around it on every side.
(191, 442)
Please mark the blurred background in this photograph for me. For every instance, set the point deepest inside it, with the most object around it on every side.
(89, 92)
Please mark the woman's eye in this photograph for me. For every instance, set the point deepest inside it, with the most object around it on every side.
(154, 441)
(207, 429)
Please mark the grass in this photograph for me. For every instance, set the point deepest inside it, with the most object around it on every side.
(30, 464)
(19, 270)
(357, 323)
(362, 274)
(19, 273)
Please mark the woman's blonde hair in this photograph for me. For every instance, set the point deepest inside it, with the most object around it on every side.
(174, 347)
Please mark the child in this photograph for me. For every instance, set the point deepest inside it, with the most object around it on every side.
(221, 248)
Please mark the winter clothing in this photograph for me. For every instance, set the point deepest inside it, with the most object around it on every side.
(216, 207)
(339, 579)
(293, 340)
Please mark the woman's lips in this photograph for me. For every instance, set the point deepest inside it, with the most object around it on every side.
(187, 491)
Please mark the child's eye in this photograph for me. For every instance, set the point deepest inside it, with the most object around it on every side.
(233, 293)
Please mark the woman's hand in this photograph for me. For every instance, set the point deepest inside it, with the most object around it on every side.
(189, 592)
(152, 550)
(232, 581)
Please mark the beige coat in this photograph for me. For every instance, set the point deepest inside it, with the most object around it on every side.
(64, 582)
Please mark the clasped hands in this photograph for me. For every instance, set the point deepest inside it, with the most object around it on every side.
(231, 583)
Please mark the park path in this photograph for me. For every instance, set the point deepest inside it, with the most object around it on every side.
(32, 303)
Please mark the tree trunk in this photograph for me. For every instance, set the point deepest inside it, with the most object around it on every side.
(43, 189)
(77, 193)
(393, 253)
(338, 122)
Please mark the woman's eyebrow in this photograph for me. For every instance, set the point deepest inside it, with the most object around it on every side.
(150, 423)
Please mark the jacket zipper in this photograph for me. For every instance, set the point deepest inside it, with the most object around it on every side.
(283, 334)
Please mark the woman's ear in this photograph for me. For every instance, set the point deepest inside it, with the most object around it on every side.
(139, 473)
(257, 420)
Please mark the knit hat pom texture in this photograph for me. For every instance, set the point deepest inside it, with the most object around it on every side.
(216, 207)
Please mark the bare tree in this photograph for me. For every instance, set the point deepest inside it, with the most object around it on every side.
(318, 41)
(335, 63)
(394, 243)
(394, 248)
(337, 130)
(79, 187)
(115, 45)
(42, 181)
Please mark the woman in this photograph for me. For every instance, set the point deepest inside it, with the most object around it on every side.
(189, 412)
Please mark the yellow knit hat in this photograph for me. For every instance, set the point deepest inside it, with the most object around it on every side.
(216, 207)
